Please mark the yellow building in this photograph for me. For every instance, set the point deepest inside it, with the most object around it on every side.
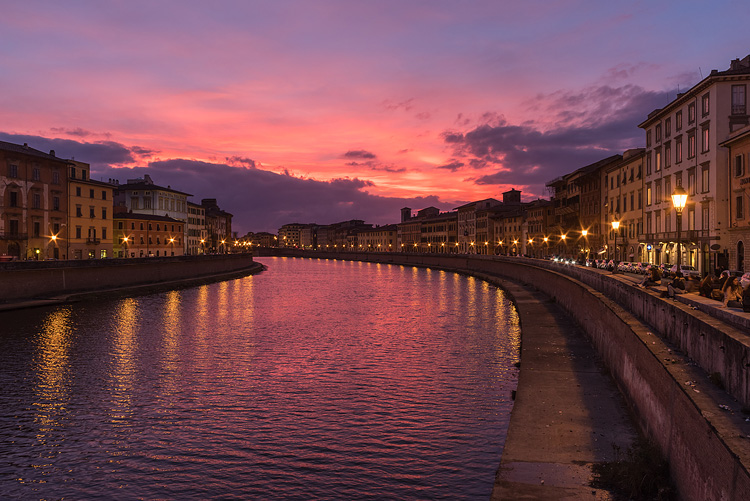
(89, 215)
(738, 145)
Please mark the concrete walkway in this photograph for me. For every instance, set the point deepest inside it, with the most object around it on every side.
(568, 412)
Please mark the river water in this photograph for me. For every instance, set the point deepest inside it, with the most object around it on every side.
(312, 380)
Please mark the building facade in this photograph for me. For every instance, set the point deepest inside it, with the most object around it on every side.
(622, 201)
(738, 147)
(147, 235)
(33, 203)
(90, 210)
(197, 234)
(683, 149)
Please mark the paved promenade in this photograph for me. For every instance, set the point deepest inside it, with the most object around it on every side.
(568, 413)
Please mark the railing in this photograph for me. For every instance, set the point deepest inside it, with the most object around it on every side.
(739, 109)
(7, 235)
(671, 236)
(93, 241)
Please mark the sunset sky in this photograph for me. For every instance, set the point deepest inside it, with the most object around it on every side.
(322, 111)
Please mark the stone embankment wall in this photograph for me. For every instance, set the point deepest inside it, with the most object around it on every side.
(621, 320)
(27, 280)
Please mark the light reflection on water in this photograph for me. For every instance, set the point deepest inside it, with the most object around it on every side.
(313, 380)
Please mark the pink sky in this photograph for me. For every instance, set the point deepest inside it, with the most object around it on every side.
(367, 91)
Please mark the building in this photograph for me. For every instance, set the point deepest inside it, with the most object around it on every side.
(378, 239)
(683, 149)
(622, 201)
(738, 147)
(197, 234)
(33, 203)
(147, 235)
(218, 227)
(143, 196)
(308, 236)
(289, 235)
(467, 224)
(90, 209)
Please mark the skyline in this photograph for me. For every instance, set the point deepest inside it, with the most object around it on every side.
(299, 112)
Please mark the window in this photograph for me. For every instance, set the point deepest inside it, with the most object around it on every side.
(691, 113)
(705, 136)
(640, 199)
(739, 214)
(104, 195)
(158, 227)
(738, 100)
(104, 232)
(705, 104)
(668, 220)
(678, 121)
(36, 201)
(667, 127)
(134, 203)
(648, 139)
(55, 203)
(667, 155)
(657, 221)
(658, 159)
(705, 214)
(72, 173)
(667, 188)
(119, 225)
(691, 219)
(657, 132)
(91, 212)
(649, 226)
(657, 194)
(691, 182)
(78, 191)
(678, 150)
(632, 200)
(705, 180)
(691, 145)
(648, 163)
(36, 174)
(648, 194)
(13, 202)
(12, 170)
(149, 226)
(146, 203)
(141, 225)
(78, 232)
(55, 177)
(37, 228)
(739, 167)
(91, 193)
(104, 213)
(79, 212)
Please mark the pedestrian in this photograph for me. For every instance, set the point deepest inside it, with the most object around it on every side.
(707, 285)
(677, 286)
(733, 293)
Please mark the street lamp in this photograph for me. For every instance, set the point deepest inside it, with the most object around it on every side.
(616, 229)
(585, 233)
(546, 245)
(679, 199)
(564, 248)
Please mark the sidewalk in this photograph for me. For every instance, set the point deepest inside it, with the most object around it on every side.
(568, 412)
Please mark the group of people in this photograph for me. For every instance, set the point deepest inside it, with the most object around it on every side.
(729, 290)
(732, 293)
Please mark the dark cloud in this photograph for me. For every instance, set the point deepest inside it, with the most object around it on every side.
(453, 166)
(263, 201)
(248, 163)
(97, 153)
(579, 129)
(72, 132)
(402, 105)
(362, 154)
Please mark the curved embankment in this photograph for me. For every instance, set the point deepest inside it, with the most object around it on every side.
(23, 281)
(651, 346)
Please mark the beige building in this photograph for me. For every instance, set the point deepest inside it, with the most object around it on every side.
(622, 195)
(378, 239)
(738, 147)
(197, 234)
(683, 149)
(146, 235)
(90, 209)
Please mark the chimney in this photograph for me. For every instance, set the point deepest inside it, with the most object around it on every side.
(52, 152)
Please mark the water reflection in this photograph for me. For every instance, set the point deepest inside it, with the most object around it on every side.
(313, 380)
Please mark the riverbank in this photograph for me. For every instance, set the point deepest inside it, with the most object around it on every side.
(25, 285)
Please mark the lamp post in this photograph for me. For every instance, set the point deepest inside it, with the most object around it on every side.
(679, 199)
(546, 244)
(585, 233)
(616, 230)
(564, 249)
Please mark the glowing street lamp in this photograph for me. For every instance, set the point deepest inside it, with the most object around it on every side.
(679, 199)
(585, 233)
(616, 230)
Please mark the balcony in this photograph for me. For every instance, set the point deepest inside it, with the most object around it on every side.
(739, 109)
(93, 241)
(671, 236)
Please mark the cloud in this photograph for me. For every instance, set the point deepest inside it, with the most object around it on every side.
(97, 153)
(247, 163)
(453, 166)
(576, 129)
(263, 201)
(359, 154)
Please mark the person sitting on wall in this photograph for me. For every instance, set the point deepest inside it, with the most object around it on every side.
(652, 278)
(733, 293)
(746, 300)
(677, 286)
(723, 279)
(707, 285)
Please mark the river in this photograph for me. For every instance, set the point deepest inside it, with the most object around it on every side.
(314, 379)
